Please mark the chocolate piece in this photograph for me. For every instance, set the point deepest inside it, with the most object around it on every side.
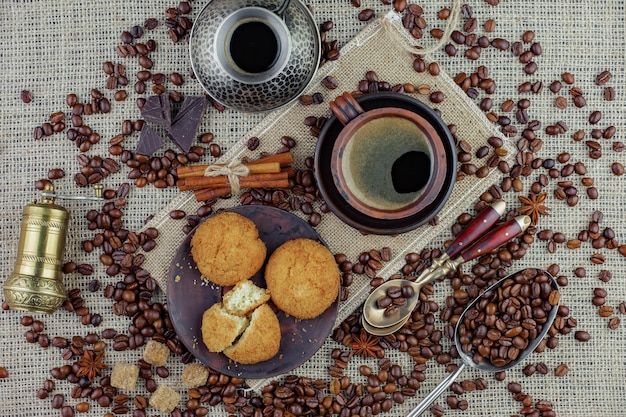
(186, 122)
(157, 110)
(149, 141)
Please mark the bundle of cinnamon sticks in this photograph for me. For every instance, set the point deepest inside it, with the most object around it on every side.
(272, 171)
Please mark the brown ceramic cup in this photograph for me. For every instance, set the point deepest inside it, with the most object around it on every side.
(387, 163)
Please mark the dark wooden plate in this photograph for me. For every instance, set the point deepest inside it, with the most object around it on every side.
(188, 296)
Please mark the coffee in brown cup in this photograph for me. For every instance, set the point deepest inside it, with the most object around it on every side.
(389, 162)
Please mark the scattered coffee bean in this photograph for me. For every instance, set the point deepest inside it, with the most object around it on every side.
(26, 96)
(567, 78)
(582, 336)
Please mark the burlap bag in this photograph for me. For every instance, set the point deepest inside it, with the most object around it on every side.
(53, 48)
(382, 46)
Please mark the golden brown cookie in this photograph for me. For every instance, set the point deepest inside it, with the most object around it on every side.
(220, 329)
(227, 248)
(260, 341)
(303, 278)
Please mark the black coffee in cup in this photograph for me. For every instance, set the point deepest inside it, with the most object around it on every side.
(410, 172)
(254, 46)
(387, 163)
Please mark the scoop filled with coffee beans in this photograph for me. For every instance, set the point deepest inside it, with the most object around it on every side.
(502, 326)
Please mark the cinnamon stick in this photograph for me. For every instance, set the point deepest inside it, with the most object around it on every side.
(285, 158)
(211, 193)
(191, 183)
(198, 170)
(204, 194)
(265, 165)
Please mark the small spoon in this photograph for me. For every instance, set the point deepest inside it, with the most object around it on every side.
(474, 230)
(486, 365)
(376, 316)
(383, 331)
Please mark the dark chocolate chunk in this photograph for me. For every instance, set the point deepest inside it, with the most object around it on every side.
(186, 122)
(157, 110)
(149, 141)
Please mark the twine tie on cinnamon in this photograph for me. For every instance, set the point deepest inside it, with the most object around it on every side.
(233, 170)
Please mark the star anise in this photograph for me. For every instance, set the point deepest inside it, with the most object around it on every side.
(366, 345)
(91, 365)
(533, 206)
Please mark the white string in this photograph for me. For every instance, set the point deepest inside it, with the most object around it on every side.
(233, 170)
(415, 48)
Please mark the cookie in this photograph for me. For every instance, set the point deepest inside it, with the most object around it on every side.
(220, 329)
(303, 278)
(227, 248)
(260, 341)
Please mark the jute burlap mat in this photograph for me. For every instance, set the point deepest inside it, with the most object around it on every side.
(380, 47)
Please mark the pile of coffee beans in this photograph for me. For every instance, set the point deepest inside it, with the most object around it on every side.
(507, 319)
(394, 298)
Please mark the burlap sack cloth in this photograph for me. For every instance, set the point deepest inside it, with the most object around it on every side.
(53, 48)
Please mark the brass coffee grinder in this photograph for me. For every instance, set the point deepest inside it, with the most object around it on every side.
(36, 283)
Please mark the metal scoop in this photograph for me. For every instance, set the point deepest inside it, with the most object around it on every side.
(486, 365)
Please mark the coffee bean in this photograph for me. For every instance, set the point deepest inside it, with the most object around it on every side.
(450, 49)
(330, 82)
(528, 36)
(582, 336)
(366, 15)
(597, 258)
(85, 269)
(490, 25)
(473, 53)
(617, 169)
(82, 407)
(120, 95)
(530, 68)
(407, 291)
(315, 219)
(595, 117)
(500, 43)
(567, 78)
(384, 302)
(609, 94)
(215, 150)
(177, 214)
(603, 77)
(26, 96)
(437, 97)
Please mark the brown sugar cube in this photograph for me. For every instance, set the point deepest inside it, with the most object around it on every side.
(156, 353)
(124, 376)
(194, 375)
(164, 399)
